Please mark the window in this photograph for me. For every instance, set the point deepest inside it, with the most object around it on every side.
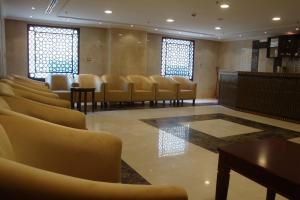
(177, 58)
(52, 51)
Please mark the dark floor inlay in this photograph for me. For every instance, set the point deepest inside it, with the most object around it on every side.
(173, 126)
(135, 106)
(130, 176)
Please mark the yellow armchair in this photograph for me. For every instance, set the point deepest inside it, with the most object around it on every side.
(39, 98)
(55, 162)
(35, 91)
(116, 89)
(166, 88)
(61, 85)
(38, 85)
(143, 89)
(57, 115)
(91, 81)
(187, 89)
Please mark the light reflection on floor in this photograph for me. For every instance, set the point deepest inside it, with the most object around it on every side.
(171, 145)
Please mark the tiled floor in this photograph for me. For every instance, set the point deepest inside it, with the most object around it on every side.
(177, 145)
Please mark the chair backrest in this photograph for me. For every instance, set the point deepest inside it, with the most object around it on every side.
(184, 82)
(140, 82)
(114, 82)
(87, 80)
(6, 149)
(163, 82)
(58, 82)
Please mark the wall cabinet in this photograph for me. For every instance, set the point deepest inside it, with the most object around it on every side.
(284, 46)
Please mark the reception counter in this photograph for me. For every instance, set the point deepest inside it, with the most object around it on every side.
(276, 94)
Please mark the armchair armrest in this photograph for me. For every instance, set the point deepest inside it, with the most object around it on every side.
(127, 85)
(79, 153)
(25, 182)
(54, 114)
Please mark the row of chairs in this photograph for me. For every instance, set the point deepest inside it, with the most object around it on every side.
(133, 88)
(46, 152)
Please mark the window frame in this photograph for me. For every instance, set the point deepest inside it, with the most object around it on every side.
(51, 26)
(174, 38)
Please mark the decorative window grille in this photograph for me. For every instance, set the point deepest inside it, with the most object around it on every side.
(52, 50)
(177, 58)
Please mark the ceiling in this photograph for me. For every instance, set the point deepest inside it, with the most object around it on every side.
(245, 19)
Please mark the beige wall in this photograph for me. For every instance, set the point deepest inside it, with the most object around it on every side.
(16, 47)
(2, 41)
(118, 51)
(93, 49)
(128, 49)
(235, 56)
(264, 64)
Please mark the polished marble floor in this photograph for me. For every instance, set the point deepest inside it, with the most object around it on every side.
(177, 145)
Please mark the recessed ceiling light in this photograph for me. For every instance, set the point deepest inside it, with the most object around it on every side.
(156, 29)
(297, 29)
(108, 12)
(131, 26)
(206, 182)
(276, 18)
(99, 22)
(265, 32)
(32, 8)
(170, 20)
(218, 28)
(30, 16)
(240, 35)
(224, 5)
(180, 32)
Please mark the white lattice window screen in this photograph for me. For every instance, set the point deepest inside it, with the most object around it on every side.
(52, 50)
(177, 58)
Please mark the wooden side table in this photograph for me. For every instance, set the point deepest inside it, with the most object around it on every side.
(79, 91)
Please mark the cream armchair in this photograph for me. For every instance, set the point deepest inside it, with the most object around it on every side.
(143, 89)
(187, 89)
(35, 91)
(116, 89)
(61, 85)
(91, 81)
(57, 115)
(166, 88)
(54, 162)
(39, 98)
(38, 85)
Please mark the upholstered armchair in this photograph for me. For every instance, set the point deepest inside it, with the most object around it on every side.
(187, 89)
(116, 88)
(40, 160)
(166, 88)
(40, 98)
(61, 85)
(91, 81)
(38, 85)
(17, 85)
(143, 89)
(57, 115)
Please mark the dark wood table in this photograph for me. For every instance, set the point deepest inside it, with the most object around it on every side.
(79, 91)
(273, 163)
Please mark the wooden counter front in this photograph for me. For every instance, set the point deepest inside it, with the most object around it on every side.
(276, 94)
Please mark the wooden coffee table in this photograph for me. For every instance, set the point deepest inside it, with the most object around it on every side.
(79, 91)
(273, 163)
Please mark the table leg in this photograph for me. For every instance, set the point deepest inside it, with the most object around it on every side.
(270, 194)
(79, 101)
(85, 102)
(94, 104)
(72, 99)
(222, 181)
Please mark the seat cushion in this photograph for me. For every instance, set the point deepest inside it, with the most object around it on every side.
(6, 150)
(3, 104)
